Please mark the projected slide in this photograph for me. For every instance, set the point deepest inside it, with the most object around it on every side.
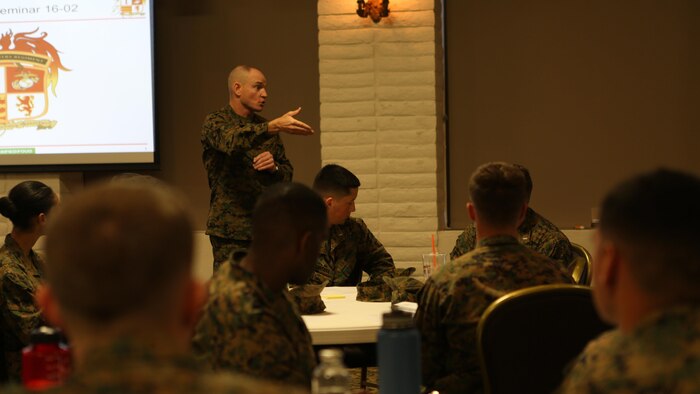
(76, 82)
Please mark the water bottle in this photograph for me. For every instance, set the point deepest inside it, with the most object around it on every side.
(331, 376)
(46, 362)
(398, 353)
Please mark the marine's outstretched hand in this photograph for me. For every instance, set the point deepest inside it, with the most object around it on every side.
(288, 124)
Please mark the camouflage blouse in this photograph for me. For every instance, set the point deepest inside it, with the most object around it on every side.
(230, 143)
(662, 355)
(350, 249)
(248, 328)
(536, 232)
(19, 279)
(452, 301)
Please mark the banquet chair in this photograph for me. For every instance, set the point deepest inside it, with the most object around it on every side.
(526, 338)
(581, 271)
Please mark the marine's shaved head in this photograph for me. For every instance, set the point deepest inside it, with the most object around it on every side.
(498, 191)
(247, 89)
(653, 220)
(239, 74)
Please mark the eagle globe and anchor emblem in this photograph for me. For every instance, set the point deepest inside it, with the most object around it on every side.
(29, 68)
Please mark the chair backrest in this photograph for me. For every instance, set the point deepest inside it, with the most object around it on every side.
(582, 265)
(526, 338)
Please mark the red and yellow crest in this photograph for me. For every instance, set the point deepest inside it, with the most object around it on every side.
(132, 7)
(29, 67)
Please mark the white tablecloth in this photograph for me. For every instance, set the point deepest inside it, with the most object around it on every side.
(347, 321)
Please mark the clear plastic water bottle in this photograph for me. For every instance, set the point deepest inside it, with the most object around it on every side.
(331, 376)
(46, 362)
(398, 353)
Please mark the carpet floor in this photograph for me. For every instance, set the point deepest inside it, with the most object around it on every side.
(371, 379)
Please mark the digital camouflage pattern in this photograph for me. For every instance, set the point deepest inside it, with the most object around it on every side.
(350, 249)
(19, 278)
(403, 288)
(127, 368)
(308, 298)
(536, 232)
(453, 299)
(224, 247)
(230, 143)
(660, 356)
(372, 291)
(247, 328)
(394, 288)
(405, 271)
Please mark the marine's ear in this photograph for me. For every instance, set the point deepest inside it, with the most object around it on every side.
(522, 214)
(305, 241)
(471, 210)
(607, 265)
(606, 270)
(236, 89)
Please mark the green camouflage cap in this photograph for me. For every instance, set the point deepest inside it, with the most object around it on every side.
(403, 288)
(308, 298)
(373, 291)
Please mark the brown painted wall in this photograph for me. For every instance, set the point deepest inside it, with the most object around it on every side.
(197, 44)
(583, 92)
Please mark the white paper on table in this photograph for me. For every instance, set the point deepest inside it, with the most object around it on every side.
(406, 306)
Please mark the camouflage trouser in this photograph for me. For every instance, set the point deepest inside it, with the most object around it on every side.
(223, 247)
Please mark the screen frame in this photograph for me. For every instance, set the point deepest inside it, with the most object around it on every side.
(119, 166)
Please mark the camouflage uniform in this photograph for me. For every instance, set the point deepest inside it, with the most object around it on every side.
(659, 356)
(19, 278)
(127, 368)
(536, 232)
(350, 249)
(223, 248)
(230, 143)
(452, 301)
(248, 328)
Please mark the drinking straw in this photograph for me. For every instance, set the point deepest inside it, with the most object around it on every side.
(432, 239)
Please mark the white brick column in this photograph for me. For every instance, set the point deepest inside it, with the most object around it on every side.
(378, 117)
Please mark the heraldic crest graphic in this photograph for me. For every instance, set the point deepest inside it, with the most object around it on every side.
(131, 8)
(29, 71)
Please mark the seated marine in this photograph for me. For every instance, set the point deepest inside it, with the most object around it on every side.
(350, 248)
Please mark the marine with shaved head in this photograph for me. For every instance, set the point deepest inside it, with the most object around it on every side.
(250, 324)
(243, 155)
(646, 271)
